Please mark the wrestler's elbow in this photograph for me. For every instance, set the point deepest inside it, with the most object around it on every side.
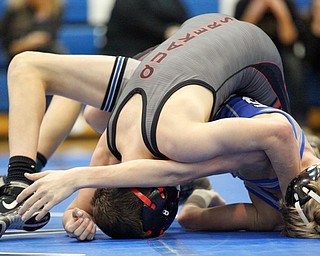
(181, 175)
(281, 134)
(188, 218)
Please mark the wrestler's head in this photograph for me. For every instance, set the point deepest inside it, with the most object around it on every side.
(135, 213)
(301, 209)
(315, 143)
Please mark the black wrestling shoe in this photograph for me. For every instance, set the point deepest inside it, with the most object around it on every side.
(9, 217)
(13, 220)
(187, 189)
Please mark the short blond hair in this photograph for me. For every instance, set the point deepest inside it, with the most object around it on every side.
(294, 225)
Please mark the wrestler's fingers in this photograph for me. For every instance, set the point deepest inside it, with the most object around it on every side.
(84, 231)
(40, 207)
(77, 213)
(29, 203)
(92, 232)
(26, 193)
(36, 176)
(44, 211)
(71, 226)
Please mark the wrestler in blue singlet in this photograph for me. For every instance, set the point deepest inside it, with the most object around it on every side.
(246, 107)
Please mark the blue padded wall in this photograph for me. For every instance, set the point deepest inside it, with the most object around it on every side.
(76, 11)
(4, 102)
(2, 7)
(78, 39)
(197, 7)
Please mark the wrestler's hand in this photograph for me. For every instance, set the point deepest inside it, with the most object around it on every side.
(278, 8)
(216, 199)
(210, 198)
(49, 188)
(80, 225)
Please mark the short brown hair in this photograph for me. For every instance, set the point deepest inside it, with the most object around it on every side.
(294, 226)
(118, 212)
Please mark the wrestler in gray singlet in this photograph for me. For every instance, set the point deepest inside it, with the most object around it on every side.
(216, 51)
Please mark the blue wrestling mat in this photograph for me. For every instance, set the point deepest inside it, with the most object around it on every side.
(52, 240)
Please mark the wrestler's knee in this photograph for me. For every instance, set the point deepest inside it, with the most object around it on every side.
(19, 64)
(26, 71)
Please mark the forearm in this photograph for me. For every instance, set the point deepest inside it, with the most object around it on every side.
(282, 150)
(254, 12)
(231, 217)
(32, 41)
(148, 173)
(286, 28)
(67, 216)
(213, 152)
(136, 173)
(272, 134)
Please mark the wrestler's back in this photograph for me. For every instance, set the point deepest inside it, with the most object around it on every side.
(215, 51)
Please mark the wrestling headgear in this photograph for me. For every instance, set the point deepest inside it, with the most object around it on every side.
(159, 209)
(299, 190)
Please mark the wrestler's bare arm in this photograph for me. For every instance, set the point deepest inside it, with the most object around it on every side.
(256, 216)
(185, 135)
(52, 187)
(193, 141)
(232, 217)
(255, 11)
(77, 219)
(273, 138)
(215, 142)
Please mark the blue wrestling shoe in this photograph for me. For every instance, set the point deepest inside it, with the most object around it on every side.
(9, 217)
